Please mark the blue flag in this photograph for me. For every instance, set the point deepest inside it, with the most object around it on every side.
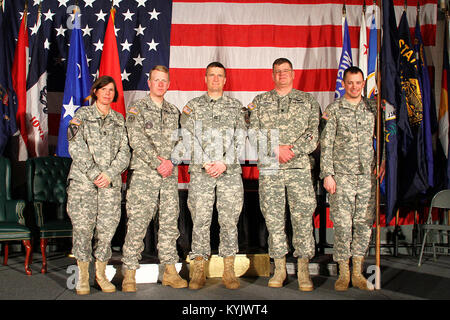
(429, 106)
(345, 62)
(412, 160)
(7, 97)
(392, 99)
(77, 87)
(372, 61)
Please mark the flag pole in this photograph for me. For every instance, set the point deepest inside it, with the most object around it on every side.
(378, 153)
(364, 15)
(344, 13)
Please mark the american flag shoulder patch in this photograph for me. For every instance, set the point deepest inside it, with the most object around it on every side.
(75, 121)
(187, 110)
(133, 110)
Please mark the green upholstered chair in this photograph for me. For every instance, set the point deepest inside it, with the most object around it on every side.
(46, 191)
(12, 221)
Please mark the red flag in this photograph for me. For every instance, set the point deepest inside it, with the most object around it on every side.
(19, 78)
(110, 64)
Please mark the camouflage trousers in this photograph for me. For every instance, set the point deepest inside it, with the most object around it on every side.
(297, 185)
(229, 192)
(93, 209)
(352, 210)
(148, 193)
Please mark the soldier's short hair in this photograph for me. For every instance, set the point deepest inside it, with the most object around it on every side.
(352, 70)
(216, 64)
(102, 82)
(159, 68)
(279, 61)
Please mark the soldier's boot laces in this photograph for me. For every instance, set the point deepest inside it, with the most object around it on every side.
(229, 278)
(100, 277)
(358, 280)
(198, 274)
(343, 281)
(279, 274)
(83, 278)
(172, 278)
(304, 280)
(129, 281)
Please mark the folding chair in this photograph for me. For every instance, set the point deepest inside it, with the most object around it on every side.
(440, 200)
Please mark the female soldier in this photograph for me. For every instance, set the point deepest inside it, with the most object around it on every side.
(98, 145)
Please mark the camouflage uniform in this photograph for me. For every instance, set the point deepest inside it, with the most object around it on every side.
(97, 144)
(151, 131)
(225, 117)
(348, 155)
(289, 120)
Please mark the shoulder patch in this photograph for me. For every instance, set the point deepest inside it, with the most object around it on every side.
(251, 106)
(73, 128)
(130, 119)
(133, 110)
(75, 121)
(325, 116)
(187, 110)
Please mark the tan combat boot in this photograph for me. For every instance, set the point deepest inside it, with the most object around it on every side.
(83, 278)
(279, 274)
(101, 279)
(198, 279)
(342, 282)
(358, 279)
(172, 278)
(304, 280)
(229, 278)
(129, 281)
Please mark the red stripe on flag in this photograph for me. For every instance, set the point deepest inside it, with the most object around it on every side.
(53, 124)
(253, 79)
(273, 36)
(260, 35)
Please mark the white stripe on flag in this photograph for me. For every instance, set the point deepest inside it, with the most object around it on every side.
(37, 118)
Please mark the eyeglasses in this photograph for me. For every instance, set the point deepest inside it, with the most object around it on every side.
(282, 71)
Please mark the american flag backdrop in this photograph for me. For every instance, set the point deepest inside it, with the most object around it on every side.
(185, 35)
